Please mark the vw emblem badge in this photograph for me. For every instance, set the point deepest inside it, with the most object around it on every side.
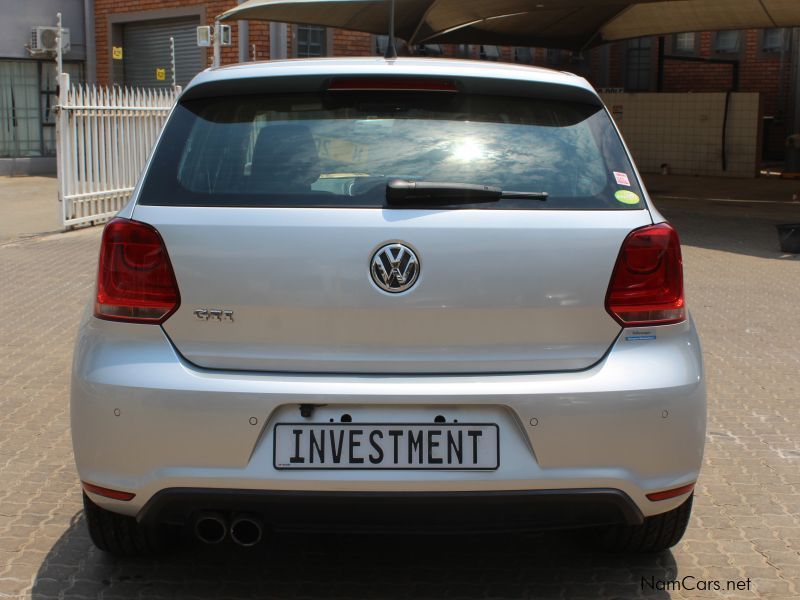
(394, 268)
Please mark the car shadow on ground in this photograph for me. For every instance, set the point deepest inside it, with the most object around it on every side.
(314, 565)
(739, 227)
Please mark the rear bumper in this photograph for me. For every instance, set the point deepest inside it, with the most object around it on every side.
(144, 421)
(399, 511)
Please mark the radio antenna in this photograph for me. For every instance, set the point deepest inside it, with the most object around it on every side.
(391, 49)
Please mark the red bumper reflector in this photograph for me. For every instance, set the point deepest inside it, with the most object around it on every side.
(667, 494)
(113, 494)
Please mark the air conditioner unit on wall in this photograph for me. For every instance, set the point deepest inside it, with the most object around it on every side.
(43, 40)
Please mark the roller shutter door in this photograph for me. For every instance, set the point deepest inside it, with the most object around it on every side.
(146, 50)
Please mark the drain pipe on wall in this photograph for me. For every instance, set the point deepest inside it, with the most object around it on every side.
(217, 43)
(278, 41)
(794, 94)
(725, 130)
(734, 88)
(786, 44)
(244, 38)
(89, 39)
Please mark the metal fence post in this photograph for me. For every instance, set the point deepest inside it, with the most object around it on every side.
(62, 80)
(62, 117)
(172, 59)
(59, 52)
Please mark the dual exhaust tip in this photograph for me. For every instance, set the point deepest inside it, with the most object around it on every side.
(213, 528)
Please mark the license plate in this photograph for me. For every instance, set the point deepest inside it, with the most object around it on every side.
(402, 446)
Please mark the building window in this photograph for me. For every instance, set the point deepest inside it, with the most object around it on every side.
(311, 41)
(684, 43)
(554, 56)
(429, 50)
(772, 40)
(490, 53)
(21, 133)
(726, 42)
(27, 97)
(638, 65)
(523, 55)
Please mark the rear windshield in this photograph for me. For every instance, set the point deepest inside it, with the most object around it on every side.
(340, 149)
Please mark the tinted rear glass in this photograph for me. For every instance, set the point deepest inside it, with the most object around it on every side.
(341, 148)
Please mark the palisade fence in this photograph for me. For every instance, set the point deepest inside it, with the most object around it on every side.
(104, 137)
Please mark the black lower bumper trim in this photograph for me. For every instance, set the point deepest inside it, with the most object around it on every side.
(400, 511)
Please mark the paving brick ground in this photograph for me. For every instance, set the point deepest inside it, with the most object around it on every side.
(745, 297)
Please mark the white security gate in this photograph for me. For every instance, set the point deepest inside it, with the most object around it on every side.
(104, 136)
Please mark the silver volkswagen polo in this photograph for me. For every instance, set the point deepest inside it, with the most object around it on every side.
(410, 294)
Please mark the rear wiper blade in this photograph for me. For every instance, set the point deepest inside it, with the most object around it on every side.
(402, 191)
(524, 195)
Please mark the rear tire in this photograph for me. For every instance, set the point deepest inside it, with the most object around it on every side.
(117, 534)
(656, 534)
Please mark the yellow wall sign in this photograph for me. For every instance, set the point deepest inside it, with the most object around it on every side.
(161, 74)
(116, 52)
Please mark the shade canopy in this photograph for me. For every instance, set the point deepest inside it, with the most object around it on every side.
(570, 24)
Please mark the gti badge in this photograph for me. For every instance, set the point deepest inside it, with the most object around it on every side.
(213, 314)
(395, 268)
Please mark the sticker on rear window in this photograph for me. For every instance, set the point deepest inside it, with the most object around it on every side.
(622, 179)
(626, 197)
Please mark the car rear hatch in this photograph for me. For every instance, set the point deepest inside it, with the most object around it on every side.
(272, 207)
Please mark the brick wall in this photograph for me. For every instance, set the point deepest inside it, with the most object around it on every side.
(758, 72)
(352, 43)
(345, 43)
(103, 9)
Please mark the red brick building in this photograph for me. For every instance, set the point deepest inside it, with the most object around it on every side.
(123, 27)
(132, 48)
(764, 61)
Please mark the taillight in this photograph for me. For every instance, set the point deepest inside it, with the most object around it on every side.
(646, 287)
(135, 281)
